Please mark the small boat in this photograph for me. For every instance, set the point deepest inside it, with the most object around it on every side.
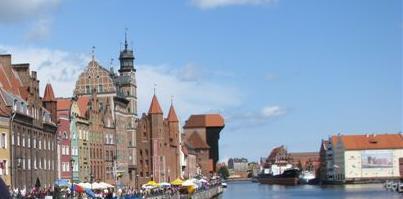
(388, 185)
(394, 186)
(306, 177)
(224, 185)
(288, 177)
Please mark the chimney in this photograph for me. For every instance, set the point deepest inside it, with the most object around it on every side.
(33, 74)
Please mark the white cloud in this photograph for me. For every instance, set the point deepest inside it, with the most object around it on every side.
(208, 4)
(19, 10)
(190, 97)
(237, 120)
(62, 69)
(58, 67)
(272, 111)
(40, 30)
(37, 14)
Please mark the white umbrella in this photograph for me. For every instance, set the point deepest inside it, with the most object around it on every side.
(97, 185)
(188, 183)
(106, 185)
(165, 184)
(85, 185)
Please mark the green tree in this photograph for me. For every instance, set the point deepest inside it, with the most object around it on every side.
(223, 172)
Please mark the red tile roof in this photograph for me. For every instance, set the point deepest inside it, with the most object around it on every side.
(63, 104)
(172, 115)
(82, 102)
(155, 107)
(48, 95)
(206, 120)
(373, 141)
(9, 79)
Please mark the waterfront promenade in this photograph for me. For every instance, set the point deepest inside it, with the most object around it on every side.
(244, 189)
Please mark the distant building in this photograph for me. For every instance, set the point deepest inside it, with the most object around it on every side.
(307, 161)
(238, 167)
(208, 128)
(277, 162)
(238, 164)
(323, 160)
(362, 158)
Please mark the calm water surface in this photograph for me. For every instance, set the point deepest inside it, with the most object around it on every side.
(256, 190)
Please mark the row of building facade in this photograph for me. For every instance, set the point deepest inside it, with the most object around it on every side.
(360, 158)
(97, 135)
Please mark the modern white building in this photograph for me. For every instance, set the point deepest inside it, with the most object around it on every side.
(359, 158)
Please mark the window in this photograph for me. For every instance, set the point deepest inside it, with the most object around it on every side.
(29, 142)
(12, 138)
(34, 144)
(15, 105)
(39, 143)
(29, 163)
(49, 145)
(3, 167)
(3, 141)
(23, 141)
(18, 140)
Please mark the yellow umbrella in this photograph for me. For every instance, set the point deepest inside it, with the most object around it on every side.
(152, 183)
(177, 182)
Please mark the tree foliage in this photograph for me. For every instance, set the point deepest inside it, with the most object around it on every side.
(223, 172)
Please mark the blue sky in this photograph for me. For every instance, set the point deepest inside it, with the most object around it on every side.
(280, 71)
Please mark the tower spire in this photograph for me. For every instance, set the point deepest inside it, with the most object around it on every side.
(126, 39)
(93, 53)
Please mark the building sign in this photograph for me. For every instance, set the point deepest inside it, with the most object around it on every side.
(376, 159)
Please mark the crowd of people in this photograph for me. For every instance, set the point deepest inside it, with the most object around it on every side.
(57, 192)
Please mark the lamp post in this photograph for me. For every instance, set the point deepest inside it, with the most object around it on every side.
(72, 172)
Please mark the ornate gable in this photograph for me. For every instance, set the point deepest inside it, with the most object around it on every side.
(94, 77)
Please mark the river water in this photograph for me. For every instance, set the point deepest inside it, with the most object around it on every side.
(255, 190)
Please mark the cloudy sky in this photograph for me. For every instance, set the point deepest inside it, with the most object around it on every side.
(280, 71)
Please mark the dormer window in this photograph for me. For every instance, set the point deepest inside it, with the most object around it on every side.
(15, 105)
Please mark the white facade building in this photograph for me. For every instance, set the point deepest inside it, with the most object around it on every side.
(352, 158)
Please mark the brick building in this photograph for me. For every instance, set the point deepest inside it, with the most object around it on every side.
(208, 128)
(63, 138)
(32, 144)
(158, 145)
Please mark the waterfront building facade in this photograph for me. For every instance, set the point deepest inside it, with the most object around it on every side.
(208, 127)
(33, 153)
(63, 138)
(363, 158)
(196, 146)
(158, 145)
(4, 143)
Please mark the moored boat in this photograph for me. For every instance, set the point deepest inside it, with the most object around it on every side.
(288, 177)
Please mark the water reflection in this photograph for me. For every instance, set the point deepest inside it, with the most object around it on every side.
(255, 190)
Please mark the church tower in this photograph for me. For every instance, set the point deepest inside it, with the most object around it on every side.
(127, 86)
